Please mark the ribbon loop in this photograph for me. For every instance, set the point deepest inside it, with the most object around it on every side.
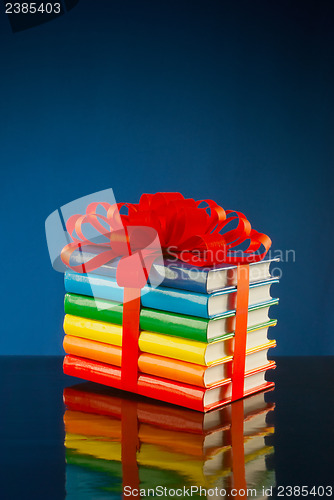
(197, 231)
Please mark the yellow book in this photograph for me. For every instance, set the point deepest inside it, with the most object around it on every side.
(191, 351)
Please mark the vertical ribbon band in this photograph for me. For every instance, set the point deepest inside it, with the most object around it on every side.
(240, 336)
(238, 450)
(130, 338)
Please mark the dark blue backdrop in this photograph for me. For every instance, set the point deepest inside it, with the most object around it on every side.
(229, 100)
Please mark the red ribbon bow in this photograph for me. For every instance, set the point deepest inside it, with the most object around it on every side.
(196, 232)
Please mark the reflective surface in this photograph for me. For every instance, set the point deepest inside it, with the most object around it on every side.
(112, 440)
(102, 440)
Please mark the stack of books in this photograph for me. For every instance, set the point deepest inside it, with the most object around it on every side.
(187, 327)
(177, 447)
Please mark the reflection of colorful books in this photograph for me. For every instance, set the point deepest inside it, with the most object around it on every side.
(89, 477)
(175, 439)
(95, 399)
(201, 445)
(196, 470)
(179, 446)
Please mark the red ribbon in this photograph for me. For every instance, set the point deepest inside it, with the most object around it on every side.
(196, 232)
(240, 335)
(130, 338)
(238, 448)
(130, 445)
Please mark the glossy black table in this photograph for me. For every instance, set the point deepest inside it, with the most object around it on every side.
(33, 462)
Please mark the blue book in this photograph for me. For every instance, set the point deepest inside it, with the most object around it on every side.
(178, 274)
(169, 299)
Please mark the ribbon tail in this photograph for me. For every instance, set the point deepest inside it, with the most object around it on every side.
(85, 267)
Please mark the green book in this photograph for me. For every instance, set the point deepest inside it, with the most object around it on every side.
(179, 325)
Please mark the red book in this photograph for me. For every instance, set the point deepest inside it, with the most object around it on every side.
(169, 391)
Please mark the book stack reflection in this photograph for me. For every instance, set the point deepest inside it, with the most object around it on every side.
(125, 446)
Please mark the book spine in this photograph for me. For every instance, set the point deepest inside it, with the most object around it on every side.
(93, 330)
(93, 286)
(152, 320)
(91, 308)
(97, 351)
(165, 299)
(153, 387)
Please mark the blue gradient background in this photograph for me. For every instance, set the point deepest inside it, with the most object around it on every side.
(229, 100)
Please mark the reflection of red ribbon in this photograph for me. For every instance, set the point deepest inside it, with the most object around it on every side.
(240, 337)
(130, 444)
(196, 232)
(238, 449)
